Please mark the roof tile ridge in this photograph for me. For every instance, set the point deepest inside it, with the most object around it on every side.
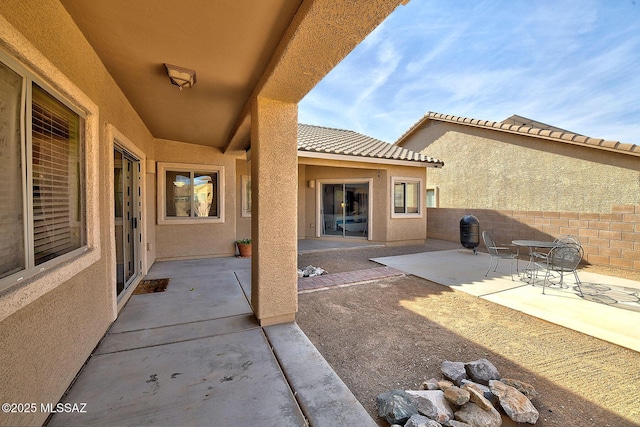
(594, 141)
(627, 147)
(610, 143)
(413, 127)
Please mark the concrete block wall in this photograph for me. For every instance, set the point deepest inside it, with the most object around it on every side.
(610, 239)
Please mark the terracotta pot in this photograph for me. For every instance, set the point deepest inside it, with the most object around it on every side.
(244, 249)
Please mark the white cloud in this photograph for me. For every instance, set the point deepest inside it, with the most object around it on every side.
(572, 64)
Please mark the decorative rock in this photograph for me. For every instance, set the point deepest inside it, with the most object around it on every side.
(431, 384)
(475, 416)
(444, 384)
(485, 390)
(454, 423)
(455, 371)
(421, 421)
(476, 396)
(395, 406)
(456, 395)
(515, 404)
(311, 271)
(432, 404)
(482, 371)
(524, 388)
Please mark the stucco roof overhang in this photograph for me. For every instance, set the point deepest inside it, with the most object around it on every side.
(353, 146)
(552, 134)
(240, 49)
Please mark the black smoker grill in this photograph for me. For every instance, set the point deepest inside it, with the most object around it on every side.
(470, 232)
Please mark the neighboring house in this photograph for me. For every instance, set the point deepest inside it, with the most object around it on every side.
(354, 186)
(524, 178)
(108, 167)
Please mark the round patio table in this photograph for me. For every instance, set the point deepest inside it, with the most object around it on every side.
(529, 270)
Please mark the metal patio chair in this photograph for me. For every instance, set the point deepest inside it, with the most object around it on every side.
(560, 260)
(499, 252)
(562, 239)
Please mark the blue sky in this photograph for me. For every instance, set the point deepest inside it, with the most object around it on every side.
(570, 64)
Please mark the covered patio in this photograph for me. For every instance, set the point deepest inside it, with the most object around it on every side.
(195, 354)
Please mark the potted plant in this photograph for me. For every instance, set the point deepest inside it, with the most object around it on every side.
(244, 247)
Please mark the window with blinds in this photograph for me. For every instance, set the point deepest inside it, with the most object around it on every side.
(58, 211)
(43, 220)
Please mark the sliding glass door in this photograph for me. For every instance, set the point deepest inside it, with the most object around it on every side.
(345, 209)
(126, 179)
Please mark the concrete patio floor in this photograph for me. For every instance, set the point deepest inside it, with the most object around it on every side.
(609, 310)
(194, 355)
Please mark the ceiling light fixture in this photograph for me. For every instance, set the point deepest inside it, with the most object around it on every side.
(181, 77)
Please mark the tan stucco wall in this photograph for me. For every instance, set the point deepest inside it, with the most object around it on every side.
(384, 228)
(46, 342)
(494, 170)
(198, 240)
(274, 180)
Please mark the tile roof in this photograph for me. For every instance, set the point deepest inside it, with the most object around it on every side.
(523, 126)
(325, 140)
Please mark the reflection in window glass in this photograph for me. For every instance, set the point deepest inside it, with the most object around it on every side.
(191, 194)
(431, 198)
(178, 191)
(406, 197)
(398, 197)
(203, 191)
(12, 246)
(412, 197)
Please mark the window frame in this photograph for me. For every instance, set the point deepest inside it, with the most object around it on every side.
(163, 168)
(406, 180)
(246, 196)
(436, 196)
(32, 282)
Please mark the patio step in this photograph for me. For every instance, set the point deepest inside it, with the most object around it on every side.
(324, 399)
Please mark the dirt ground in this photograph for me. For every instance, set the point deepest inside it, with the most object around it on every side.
(394, 334)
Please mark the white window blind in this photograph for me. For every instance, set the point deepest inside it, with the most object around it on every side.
(57, 174)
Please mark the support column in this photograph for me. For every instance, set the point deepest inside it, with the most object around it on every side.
(274, 199)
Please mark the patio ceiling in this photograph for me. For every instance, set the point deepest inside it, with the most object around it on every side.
(228, 43)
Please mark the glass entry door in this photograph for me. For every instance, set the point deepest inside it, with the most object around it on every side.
(345, 209)
(126, 179)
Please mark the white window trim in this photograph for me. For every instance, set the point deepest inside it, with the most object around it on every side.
(245, 212)
(162, 169)
(400, 179)
(24, 55)
(436, 196)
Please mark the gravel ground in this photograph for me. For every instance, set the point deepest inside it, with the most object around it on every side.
(395, 333)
